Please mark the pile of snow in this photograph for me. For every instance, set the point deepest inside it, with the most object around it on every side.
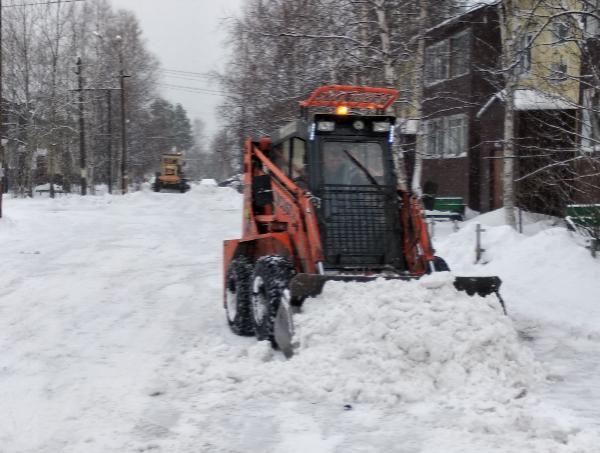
(546, 273)
(416, 352)
(385, 343)
(390, 342)
(127, 352)
(44, 189)
(208, 182)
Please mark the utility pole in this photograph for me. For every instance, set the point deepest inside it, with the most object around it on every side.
(123, 135)
(82, 157)
(109, 139)
(122, 76)
(108, 92)
(109, 135)
(1, 119)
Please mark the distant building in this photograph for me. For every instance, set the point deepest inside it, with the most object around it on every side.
(463, 110)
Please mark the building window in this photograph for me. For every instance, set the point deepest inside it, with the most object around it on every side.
(281, 156)
(460, 54)
(524, 54)
(456, 135)
(448, 58)
(434, 137)
(558, 72)
(560, 32)
(436, 63)
(446, 136)
(590, 120)
(592, 20)
(299, 159)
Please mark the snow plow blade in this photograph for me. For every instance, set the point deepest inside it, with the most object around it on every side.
(482, 286)
(311, 285)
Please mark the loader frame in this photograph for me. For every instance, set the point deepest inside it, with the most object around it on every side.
(293, 231)
(282, 218)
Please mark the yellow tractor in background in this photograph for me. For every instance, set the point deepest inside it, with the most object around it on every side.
(171, 175)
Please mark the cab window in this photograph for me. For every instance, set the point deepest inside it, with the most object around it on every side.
(298, 158)
(281, 156)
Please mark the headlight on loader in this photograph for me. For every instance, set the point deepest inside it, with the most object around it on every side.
(325, 126)
(381, 126)
(358, 125)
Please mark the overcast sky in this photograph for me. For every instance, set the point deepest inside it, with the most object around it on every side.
(186, 35)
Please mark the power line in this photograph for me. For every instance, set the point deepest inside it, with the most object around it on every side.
(188, 73)
(182, 90)
(185, 77)
(42, 3)
(194, 89)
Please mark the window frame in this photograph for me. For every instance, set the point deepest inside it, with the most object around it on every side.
(592, 31)
(556, 70)
(445, 59)
(438, 143)
(432, 146)
(525, 55)
(294, 171)
(467, 56)
(380, 151)
(431, 58)
(590, 139)
(557, 25)
(464, 145)
(281, 156)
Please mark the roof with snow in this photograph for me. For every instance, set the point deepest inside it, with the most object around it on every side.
(530, 99)
(472, 6)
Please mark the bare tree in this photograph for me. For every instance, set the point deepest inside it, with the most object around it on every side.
(282, 50)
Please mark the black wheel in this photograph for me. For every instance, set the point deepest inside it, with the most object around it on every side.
(237, 299)
(271, 310)
(283, 327)
(440, 265)
(156, 186)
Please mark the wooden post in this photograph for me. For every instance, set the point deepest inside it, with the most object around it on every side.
(478, 249)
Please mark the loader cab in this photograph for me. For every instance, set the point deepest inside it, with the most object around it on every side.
(346, 162)
(352, 173)
(171, 164)
(289, 152)
(336, 150)
(352, 150)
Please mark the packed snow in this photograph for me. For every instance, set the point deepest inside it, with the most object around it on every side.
(114, 340)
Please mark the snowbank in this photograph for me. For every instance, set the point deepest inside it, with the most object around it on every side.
(546, 273)
(415, 352)
(386, 343)
(391, 342)
(116, 340)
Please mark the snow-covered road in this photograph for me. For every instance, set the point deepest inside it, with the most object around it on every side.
(113, 340)
(97, 296)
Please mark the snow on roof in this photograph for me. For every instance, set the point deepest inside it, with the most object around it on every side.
(531, 99)
(471, 5)
(538, 100)
(408, 127)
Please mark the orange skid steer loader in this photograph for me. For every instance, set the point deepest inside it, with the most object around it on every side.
(321, 203)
